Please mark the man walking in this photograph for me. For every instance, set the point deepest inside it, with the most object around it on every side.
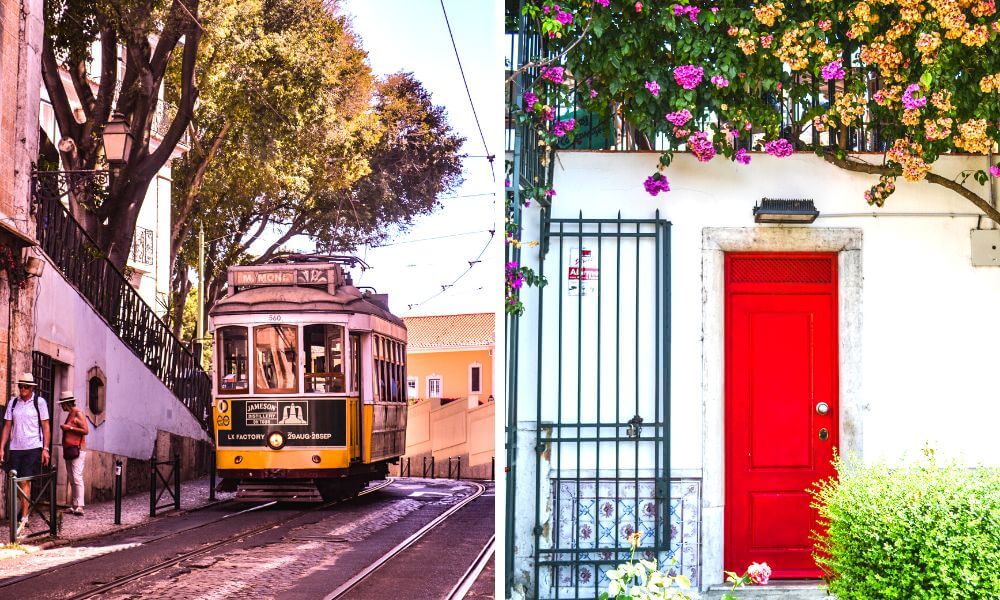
(26, 425)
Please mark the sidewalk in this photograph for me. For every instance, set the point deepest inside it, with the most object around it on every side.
(99, 519)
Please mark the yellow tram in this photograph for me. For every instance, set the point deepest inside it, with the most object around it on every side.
(309, 398)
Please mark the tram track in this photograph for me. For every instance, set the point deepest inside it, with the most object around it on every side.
(367, 572)
(472, 573)
(177, 559)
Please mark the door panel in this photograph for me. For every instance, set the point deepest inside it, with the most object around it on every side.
(781, 357)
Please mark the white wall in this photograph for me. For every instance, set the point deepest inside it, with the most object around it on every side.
(138, 404)
(928, 335)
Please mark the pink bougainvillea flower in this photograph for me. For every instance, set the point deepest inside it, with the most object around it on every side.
(564, 17)
(688, 76)
(834, 70)
(548, 113)
(909, 101)
(690, 11)
(561, 128)
(995, 170)
(759, 573)
(593, 93)
(742, 156)
(780, 148)
(530, 99)
(550, 192)
(656, 183)
(765, 40)
(638, 7)
(653, 87)
(715, 9)
(701, 146)
(603, 3)
(720, 81)
(824, 24)
(679, 118)
(553, 74)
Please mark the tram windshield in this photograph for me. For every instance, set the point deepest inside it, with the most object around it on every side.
(276, 353)
(324, 345)
(234, 376)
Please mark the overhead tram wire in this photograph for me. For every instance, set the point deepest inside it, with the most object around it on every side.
(446, 287)
(490, 157)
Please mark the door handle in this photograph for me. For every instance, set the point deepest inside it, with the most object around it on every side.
(822, 408)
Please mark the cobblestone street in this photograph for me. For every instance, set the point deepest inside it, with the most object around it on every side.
(275, 551)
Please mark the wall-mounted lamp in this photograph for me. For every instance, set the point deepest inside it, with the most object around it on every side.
(117, 139)
(772, 210)
(34, 266)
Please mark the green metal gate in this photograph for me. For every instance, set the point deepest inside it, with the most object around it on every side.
(603, 405)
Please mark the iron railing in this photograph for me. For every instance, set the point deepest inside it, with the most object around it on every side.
(142, 246)
(163, 118)
(109, 292)
(596, 132)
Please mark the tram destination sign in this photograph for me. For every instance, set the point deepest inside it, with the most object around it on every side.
(256, 277)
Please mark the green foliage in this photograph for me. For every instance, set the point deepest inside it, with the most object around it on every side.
(926, 531)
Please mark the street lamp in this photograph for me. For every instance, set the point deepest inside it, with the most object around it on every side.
(117, 141)
(771, 210)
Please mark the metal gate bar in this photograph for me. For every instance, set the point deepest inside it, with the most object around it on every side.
(574, 566)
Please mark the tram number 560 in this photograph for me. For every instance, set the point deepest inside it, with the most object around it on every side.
(274, 318)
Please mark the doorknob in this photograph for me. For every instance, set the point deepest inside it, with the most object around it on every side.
(822, 408)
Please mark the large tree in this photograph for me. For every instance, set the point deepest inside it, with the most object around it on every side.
(151, 34)
(412, 160)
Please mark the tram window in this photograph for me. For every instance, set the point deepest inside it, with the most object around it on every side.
(276, 353)
(324, 359)
(234, 376)
(355, 362)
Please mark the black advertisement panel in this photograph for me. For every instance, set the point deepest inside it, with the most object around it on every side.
(305, 422)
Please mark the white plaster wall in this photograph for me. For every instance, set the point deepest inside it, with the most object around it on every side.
(928, 335)
(137, 403)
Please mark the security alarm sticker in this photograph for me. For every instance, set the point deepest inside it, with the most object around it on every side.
(581, 272)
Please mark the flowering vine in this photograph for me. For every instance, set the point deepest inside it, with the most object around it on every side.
(921, 77)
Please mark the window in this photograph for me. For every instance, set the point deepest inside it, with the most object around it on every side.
(389, 358)
(324, 345)
(95, 395)
(276, 353)
(475, 378)
(234, 378)
(411, 388)
(434, 386)
(355, 363)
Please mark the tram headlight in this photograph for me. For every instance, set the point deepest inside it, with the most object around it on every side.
(276, 440)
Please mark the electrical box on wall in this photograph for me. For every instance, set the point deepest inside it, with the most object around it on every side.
(986, 247)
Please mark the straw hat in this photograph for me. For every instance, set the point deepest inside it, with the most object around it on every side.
(66, 396)
(27, 379)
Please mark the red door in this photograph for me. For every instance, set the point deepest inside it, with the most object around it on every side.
(781, 405)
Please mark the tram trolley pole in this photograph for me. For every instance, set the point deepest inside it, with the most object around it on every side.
(118, 492)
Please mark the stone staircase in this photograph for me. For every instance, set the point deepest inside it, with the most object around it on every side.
(789, 589)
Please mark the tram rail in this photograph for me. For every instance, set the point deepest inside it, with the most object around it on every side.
(472, 573)
(353, 582)
(175, 560)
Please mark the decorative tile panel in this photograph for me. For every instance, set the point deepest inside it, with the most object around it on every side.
(594, 521)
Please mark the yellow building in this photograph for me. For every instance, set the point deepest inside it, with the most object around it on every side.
(450, 357)
(449, 429)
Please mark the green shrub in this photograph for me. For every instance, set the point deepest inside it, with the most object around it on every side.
(925, 531)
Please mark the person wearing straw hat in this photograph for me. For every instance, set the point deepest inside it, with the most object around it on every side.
(26, 426)
(74, 430)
